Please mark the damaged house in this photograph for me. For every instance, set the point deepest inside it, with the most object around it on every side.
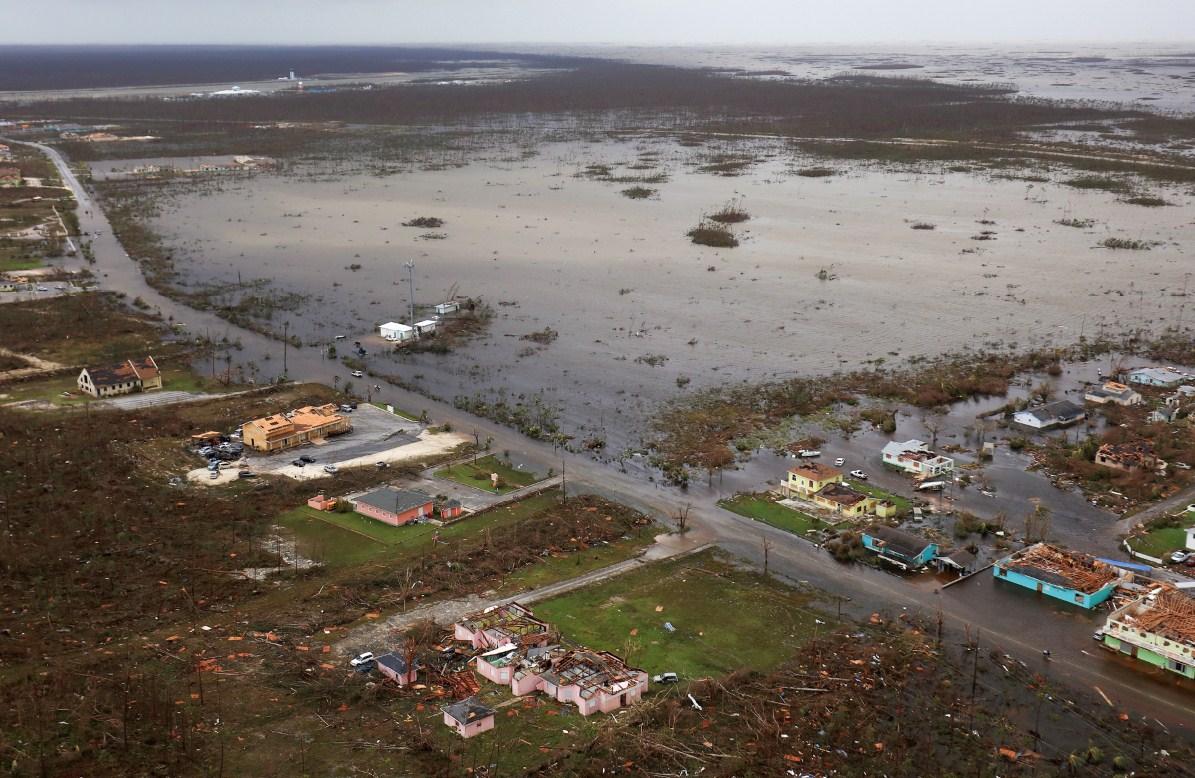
(1069, 576)
(501, 625)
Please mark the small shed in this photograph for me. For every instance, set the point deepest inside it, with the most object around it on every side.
(960, 560)
(451, 306)
(426, 327)
(469, 717)
(394, 667)
(451, 509)
(394, 331)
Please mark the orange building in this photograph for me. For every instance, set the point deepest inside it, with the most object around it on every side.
(282, 431)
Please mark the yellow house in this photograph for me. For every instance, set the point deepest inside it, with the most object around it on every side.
(808, 479)
(840, 498)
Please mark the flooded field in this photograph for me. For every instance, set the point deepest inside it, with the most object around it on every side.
(868, 265)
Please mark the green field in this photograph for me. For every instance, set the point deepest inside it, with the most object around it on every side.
(1163, 541)
(344, 539)
(477, 475)
(725, 618)
(903, 504)
(559, 568)
(768, 511)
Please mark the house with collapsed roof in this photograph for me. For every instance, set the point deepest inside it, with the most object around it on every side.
(469, 717)
(595, 681)
(1112, 392)
(286, 430)
(1157, 629)
(502, 624)
(914, 456)
(1128, 457)
(1069, 576)
(132, 375)
(899, 548)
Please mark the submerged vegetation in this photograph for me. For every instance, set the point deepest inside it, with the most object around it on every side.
(713, 234)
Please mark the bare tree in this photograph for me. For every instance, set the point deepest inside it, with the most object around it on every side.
(681, 517)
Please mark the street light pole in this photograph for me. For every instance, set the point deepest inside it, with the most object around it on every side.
(410, 266)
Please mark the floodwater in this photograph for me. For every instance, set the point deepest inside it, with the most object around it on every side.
(620, 282)
(1157, 76)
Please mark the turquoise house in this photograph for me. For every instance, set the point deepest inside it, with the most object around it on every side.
(903, 549)
(1072, 577)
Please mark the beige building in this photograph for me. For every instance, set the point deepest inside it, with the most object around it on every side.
(132, 375)
(282, 431)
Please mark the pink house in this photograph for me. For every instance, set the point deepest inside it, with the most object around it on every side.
(322, 503)
(502, 624)
(394, 666)
(499, 664)
(469, 717)
(592, 680)
(394, 506)
(451, 510)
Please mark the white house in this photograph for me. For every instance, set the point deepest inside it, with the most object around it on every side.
(392, 330)
(425, 327)
(1158, 376)
(449, 307)
(1112, 392)
(914, 456)
(1050, 415)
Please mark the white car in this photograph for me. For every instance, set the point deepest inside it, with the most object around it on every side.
(840, 462)
(1178, 557)
(859, 474)
(329, 468)
(809, 453)
(361, 659)
(358, 374)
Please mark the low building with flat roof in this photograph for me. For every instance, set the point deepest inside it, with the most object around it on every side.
(281, 431)
(915, 456)
(469, 717)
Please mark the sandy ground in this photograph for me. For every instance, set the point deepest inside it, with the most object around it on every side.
(620, 282)
(427, 445)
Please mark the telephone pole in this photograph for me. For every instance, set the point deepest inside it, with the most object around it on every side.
(285, 342)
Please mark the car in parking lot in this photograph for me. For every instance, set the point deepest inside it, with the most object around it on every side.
(346, 408)
(1178, 557)
(859, 474)
(298, 462)
(840, 462)
(307, 458)
(213, 474)
(357, 374)
(361, 659)
(329, 468)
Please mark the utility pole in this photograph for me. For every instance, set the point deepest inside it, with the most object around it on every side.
(1183, 305)
(410, 266)
(285, 342)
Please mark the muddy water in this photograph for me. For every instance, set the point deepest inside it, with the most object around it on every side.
(620, 282)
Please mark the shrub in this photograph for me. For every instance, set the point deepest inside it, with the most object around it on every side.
(1125, 243)
(714, 235)
(427, 222)
(638, 193)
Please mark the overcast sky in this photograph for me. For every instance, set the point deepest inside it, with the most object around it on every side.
(586, 21)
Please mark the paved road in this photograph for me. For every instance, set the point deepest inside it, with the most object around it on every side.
(1016, 620)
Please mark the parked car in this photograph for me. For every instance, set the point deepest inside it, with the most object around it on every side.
(809, 452)
(246, 474)
(1098, 635)
(213, 474)
(361, 659)
(859, 474)
(339, 337)
(665, 678)
(1178, 557)
(298, 462)
(307, 458)
(381, 465)
(346, 408)
(357, 374)
(329, 468)
(840, 462)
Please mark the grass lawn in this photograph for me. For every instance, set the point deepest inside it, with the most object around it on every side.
(1163, 541)
(770, 512)
(477, 475)
(18, 263)
(559, 568)
(903, 505)
(175, 379)
(398, 411)
(345, 539)
(724, 618)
